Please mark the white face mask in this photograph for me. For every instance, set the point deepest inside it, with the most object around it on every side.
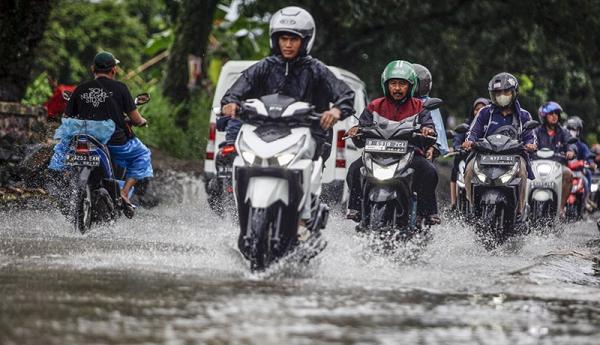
(503, 100)
(574, 134)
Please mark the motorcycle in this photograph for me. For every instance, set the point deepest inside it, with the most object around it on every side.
(220, 188)
(495, 184)
(576, 200)
(277, 181)
(544, 193)
(93, 181)
(389, 205)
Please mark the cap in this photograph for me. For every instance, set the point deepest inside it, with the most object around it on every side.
(105, 60)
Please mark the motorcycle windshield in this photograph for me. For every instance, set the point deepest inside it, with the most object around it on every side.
(500, 143)
(388, 129)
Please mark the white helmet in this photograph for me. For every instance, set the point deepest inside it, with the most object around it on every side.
(295, 20)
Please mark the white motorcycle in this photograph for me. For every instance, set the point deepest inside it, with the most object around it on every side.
(544, 193)
(277, 181)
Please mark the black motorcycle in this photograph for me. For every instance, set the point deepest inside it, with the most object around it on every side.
(389, 204)
(93, 182)
(219, 188)
(495, 184)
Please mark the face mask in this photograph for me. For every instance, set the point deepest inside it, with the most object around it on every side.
(574, 133)
(503, 100)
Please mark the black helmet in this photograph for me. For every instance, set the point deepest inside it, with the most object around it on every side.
(425, 81)
(500, 82)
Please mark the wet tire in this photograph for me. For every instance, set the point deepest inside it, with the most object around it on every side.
(493, 226)
(260, 247)
(83, 209)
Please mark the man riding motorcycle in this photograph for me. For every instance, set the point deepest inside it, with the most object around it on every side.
(399, 82)
(291, 71)
(423, 91)
(458, 140)
(575, 127)
(104, 98)
(553, 136)
(506, 116)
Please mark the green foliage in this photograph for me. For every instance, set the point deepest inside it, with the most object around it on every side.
(38, 91)
(163, 133)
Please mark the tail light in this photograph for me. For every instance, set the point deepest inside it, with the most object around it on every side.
(210, 146)
(340, 153)
(82, 147)
(228, 150)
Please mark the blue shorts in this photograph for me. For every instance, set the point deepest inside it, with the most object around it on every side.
(133, 156)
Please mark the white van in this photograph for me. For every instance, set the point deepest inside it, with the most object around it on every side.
(343, 153)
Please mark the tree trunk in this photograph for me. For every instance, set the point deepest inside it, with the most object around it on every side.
(22, 26)
(191, 38)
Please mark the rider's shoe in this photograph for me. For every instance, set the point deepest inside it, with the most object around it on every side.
(353, 215)
(128, 209)
(432, 219)
(303, 232)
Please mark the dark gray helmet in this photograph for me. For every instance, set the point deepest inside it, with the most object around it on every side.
(425, 80)
(295, 20)
(575, 123)
(503, 81)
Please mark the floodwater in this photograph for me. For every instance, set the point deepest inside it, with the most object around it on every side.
(172, 275)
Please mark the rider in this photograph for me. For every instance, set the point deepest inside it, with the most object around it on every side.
(575, 127)
(399, 83)
(104, 98)
(422, 92)
(554, 137)
(459, 138)
(291, 71)
(504, 115)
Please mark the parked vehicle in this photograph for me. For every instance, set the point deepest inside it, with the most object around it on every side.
(344, 152)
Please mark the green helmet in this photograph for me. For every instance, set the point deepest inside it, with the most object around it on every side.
(399, 69)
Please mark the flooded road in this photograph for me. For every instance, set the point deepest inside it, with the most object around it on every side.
(172, 275)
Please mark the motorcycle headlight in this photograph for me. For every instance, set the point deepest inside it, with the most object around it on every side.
(246, 152)
(480, 175)
(507, 176)
(286, 156)
(543, 170)
(384, 172)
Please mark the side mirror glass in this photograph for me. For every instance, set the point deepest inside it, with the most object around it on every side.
(432, 103)
(66, 95)
(531, 124)
(142, 98)
(462, 128)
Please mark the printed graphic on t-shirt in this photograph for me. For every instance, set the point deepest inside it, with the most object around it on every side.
(95, 96)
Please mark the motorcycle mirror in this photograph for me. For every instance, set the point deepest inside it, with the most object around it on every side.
(462, 128)
(432, 103)
(572, 140)
(531, 124)
(450, 134)
(66, 95)
(142, 98)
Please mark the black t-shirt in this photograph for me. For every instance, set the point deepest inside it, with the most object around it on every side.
(103, 99)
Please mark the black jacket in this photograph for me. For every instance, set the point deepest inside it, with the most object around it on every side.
(304, 78)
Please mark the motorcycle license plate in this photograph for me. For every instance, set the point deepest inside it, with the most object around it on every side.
(386, 146)
(547, 184)
(86, 160)
(498, 160)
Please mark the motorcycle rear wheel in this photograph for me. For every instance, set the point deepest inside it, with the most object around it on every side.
(83, 209)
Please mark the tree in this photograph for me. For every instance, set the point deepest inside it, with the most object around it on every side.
(22, 25)
(194, 24)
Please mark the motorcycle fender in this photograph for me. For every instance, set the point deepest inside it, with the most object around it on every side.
(542, 195)
(382, 194)
(494, 197)
(265, 191)
(84, 176)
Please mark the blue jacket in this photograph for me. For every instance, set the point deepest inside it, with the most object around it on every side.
(555, 143)
(485, 124)
(584, 152)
